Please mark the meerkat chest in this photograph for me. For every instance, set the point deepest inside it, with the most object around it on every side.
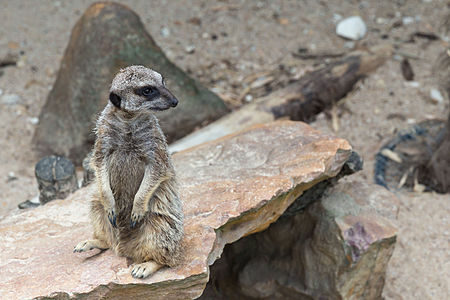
(131, 141)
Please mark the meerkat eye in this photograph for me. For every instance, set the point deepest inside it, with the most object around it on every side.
(147, 91)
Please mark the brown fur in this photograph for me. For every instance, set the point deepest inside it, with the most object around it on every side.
(137, 212)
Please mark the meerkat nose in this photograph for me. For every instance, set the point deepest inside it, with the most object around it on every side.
(174, 102)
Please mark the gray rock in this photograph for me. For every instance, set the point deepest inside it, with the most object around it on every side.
(407, 20)
(82, 86)
(10, 99)
(352, 28)
(436, 95)
(337, 248)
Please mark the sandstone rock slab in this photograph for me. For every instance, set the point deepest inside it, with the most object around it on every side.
(232, 187)
(106, 38)
(336, 248)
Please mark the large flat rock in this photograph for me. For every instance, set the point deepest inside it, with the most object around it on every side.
(231, 188)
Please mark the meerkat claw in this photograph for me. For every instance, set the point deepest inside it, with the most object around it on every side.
(135, 218)
(112, 218)
(133, 223)
(145, 269)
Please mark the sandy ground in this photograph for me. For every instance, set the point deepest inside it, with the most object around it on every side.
(234, 40)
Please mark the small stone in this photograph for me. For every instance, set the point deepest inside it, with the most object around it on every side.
(10, 99)
(336, 18)
(436, 95)
(205, 35)
(248, 98)
(381, 21)
(349, 44)
(11, 177)
(352, 28)
(22, 61)
(33, 120)
(190, 49)
(407, 20)
(165, 32)
(413, 84)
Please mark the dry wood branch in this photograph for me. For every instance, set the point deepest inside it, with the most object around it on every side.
(299, 101)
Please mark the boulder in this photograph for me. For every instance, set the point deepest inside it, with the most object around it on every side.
(106, 38)
(231, 188)
(336, 248)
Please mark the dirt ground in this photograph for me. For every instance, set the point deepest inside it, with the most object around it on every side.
(224, 44)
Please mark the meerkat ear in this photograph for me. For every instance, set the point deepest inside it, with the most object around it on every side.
(115, 100)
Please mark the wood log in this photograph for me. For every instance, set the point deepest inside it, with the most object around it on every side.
(436, 172)
(299, 101)
(56, 178)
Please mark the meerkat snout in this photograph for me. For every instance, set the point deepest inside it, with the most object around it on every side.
(137, 88)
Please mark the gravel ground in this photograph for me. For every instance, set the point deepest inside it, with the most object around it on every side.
(224, 44)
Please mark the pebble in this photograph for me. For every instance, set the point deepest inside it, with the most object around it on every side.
(10, 99)
(11, 176)
(382, 21)
(248, 98)
(190, 49)
(413, 84)
(349, 44)
(33, 120)
(407, 20)
(352, 28)
(165, 32)
(436, 95)
(337, 18)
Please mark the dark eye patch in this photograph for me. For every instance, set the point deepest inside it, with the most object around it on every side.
(147, 91)
(115, 99)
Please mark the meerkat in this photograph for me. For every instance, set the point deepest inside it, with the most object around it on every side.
(137, 211)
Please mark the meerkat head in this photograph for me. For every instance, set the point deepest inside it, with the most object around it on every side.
(137, 89)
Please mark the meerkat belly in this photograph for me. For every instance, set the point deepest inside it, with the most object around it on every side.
(126, 171)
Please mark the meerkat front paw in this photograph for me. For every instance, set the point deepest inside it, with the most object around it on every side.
(89, 245)
(137, 214)
(145, 269)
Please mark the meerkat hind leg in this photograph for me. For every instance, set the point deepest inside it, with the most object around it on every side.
(89, 245)
(145, 269)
